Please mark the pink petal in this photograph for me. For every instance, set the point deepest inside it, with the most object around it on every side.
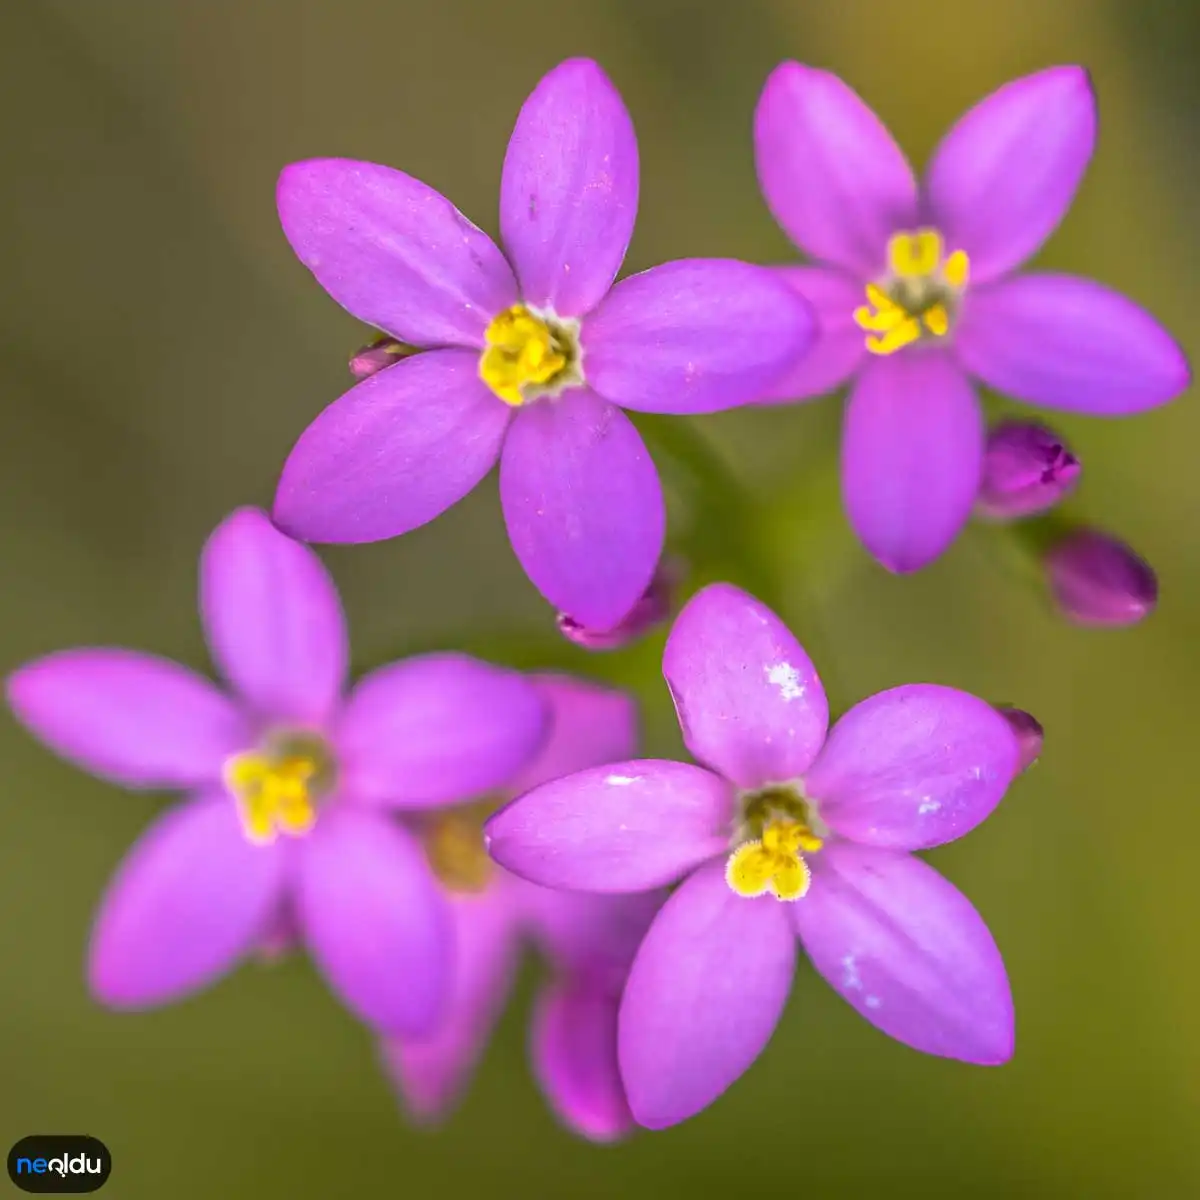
(375, 921)
(129, 717)
(913, 767)
(432, 1072)
(393, 453)
(1005, 174)
(190, 899)
(695, 336)
(589, 725)
(273, 619)
(393, 252)
(705, 993)
(573, 1045)
(437, 729)
(908, 951)
(839, 349)
(1070, 344)
(583, 506)
(626, 827)
(829, 170)
(912, 457)
(748, 699)
(569, 193)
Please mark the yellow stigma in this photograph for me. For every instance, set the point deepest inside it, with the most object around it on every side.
(775, 829)
(529, 354)
(920, 295)
(454, 847)
(273, 793)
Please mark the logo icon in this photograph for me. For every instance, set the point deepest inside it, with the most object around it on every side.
(59, 1164)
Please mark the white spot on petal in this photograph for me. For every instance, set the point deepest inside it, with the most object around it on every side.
(928, 805)
(850, 979)
(873, 1002)
(620, 780)
(787, 679)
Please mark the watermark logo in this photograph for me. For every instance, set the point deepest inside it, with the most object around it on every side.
(59, 1164)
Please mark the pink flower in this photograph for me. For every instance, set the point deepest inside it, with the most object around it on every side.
(788, 830)
(529, 360)
(589, 942)
(915, 292)
(291, 786)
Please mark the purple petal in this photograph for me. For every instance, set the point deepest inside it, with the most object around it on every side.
(1005, 174)
(695, 336)
(375, 921)
(437, 729)
(569, 193)
(574, 1052)
(838, 349)
(705, 993)
(625, 827)
(908, 951)
(829, 170)
(431, 1072)
(132, 718)
(191, 898)
(912, 457)
(589, 725)
(583, 506)
(273, 619)
(393, 252)
(1070, 344)
(393, 453)
(748, 699)
(913, 767)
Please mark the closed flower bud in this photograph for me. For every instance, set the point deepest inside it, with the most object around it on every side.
(376, 355)
(1098, 580)
(651, 610)
(1027, 469)
(1029, 734)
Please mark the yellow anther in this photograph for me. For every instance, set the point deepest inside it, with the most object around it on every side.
(274, 795)
(773, 863)
(937, 320)
(523, 351)
(957, 269)
(913, 255)
(454, 847)
(896, 339)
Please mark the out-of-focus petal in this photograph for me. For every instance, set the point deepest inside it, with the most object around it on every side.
(704, 995)
(589, 725)
(431, 1073)
(695, 336)
(1070, 344)
(1005, 174)
(191, 898)
(394, 252)
(912, 456)
(273, 619)
(132, 718)
(583, 506)
(437, 729)
(748, 698)
(908, 951)
(625, 827)
(829, 170)
(913, 767)
(1096, 579)
(838, 349)
(375, 921)
(569, 192)
(573, 1044)
(393, 453)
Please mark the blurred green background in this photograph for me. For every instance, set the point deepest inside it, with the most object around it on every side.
(161, 350)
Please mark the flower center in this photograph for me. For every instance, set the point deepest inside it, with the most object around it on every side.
(277, 786)
(455, 850)
(777, 827)
(920, 295)
(530, 354)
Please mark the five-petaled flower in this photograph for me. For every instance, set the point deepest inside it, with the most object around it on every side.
(292, 787)
(783, 811)
(527, 359)
(588, 940)
(914, 291)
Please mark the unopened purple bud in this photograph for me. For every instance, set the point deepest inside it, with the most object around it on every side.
(1098, 580)
(651, 610)
(1029, 734)
(382, 352)
(1027, 469)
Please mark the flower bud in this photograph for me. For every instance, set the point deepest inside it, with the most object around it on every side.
(1029, 734)
(373, 357)
(1098, 580)
(651, 610)
(1027, 468)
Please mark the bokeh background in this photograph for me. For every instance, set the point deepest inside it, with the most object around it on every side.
(161, 350)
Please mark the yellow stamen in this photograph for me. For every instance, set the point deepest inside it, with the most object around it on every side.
(915, 255)
(274, 795)
(454, 847)
(525, 351)
(773, 863)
